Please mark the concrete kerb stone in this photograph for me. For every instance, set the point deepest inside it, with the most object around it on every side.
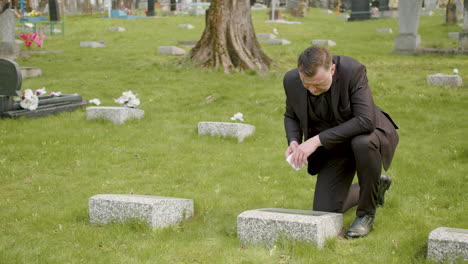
(444, 80)
(448, 244)
(225, 129)
(117, 115)
(91, 44)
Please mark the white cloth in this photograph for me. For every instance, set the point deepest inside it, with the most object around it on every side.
(292, 165)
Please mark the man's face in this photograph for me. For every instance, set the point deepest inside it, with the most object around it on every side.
(321, 82)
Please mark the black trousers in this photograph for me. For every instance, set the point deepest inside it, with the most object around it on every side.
(334, 191)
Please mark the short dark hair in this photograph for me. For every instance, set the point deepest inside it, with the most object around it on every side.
(312, 58)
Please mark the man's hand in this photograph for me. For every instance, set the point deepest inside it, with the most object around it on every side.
(291, 149)
(303, 151)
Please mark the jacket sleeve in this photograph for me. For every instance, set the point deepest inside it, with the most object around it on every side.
(363, 118)
(291, 121)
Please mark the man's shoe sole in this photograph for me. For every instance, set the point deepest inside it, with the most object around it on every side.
(383, 187)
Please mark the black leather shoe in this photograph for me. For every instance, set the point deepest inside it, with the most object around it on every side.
(361, 226)
(384, 185)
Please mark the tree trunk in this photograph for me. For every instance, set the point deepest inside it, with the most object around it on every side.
(229, 39)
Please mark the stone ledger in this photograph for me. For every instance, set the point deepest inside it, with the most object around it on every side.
(278, 42)
(171, 50)
(445, 80)
(30, 72)
(188, 26)
(156, 211)
(323, 42)
(266, 226)
(91, 44)
(454, 35)
(448, 244)
(118, 29)
(266, 36)
(118, 115)
(224, 129)
(384, 30)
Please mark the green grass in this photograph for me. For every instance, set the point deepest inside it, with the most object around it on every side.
(50, 166)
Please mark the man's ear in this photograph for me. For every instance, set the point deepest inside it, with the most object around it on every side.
(332, 69)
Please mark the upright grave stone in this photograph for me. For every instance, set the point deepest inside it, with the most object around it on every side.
(150, 8)
(451, 14)
(459, 4)
(54, 12)
(463, 37)
(431, 4)
(383, 5)
(266, 226)
(408, 40)
(360, 10)
(448, 244)
(10, 83)
(8, 47)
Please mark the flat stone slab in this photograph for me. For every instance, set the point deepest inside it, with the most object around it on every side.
(225, 129)
(278, 42)
(171, 50)
(188, 42)
(188, 26)
(118, 115)
(448, 244)
(323, 42)
(156, 211)
(91, 44)
(30, 72)
(118, 29)
(384, 30)
(444, 80)
(264, 36)
(454, 35)
(266, 226)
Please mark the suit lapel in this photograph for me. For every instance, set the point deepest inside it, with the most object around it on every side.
(335, 91)
(303, 106)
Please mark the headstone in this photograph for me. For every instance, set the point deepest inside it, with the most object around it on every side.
(360, 10)
(431, 4)
(10, 83)
(91, 44)
(237, 130)
(263, 36)
(117, 115)
(454, 35)
(384, 30)
(54, 12)
(188, 26)
(448, 245)
(156, 211)
(459, 4)
(266, 226)
(171, 50)
(118, 29)
(444, 80)
(30, 72)
(451, 14)
(278, 42)
(324, 3)
(383, 5)
(323, 42)
(408, 40)
(9, 49)
(463, 38)
(150, 8)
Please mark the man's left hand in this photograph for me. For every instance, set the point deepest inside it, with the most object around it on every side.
(304, 150)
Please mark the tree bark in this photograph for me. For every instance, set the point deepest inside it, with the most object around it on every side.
(229, 39)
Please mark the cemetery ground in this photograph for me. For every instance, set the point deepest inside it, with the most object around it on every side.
(50, 166)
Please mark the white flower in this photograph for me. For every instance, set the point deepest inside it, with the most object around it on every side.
(55, 94)
(133, 103)
(455, 71)
(29, 25)
(275, 31)
(30, 101)
(128, 99)
(41, 91)
(238, 116)
(95, 101)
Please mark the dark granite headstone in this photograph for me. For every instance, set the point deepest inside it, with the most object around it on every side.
(54, 12)
(10, 82)
(150, 8)
(360, 10)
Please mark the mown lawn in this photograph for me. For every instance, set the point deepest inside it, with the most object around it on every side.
(50, 166)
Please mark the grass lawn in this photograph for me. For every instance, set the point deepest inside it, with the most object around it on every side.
(49, 167)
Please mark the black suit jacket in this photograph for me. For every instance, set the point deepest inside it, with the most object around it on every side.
(353, 108)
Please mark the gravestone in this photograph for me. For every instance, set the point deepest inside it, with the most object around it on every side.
(171, 50)
(451, 14)
(237, 130)
(454, 35)
(156, 211)
(266, 226)
(188, 26)
(30, 72)
(10, 84)
(383, 5)
(427, 13)
(91, 44)
(384, 30)
(323, 42)
(327, 11)
(9, 49)
(448, 244)
(262, 36)
(444, 80)
(54, 12)
(117, 115)
(118, 29)
(431, 4)
(408, 40)
(463, 38)
(150, 12)
(188, 42)
(459, 4)
(360, 10)
(278, 42)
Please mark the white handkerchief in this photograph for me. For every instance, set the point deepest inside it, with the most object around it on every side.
(292, 165)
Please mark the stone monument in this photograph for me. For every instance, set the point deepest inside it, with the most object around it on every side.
(360, 10)
(408, 40)
(463, 37)
(9, 49)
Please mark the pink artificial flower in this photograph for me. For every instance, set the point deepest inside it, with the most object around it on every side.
(40, 40)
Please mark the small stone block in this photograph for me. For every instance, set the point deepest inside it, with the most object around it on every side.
(188, 26)
(266, 226)
(445, 80)
(118, 115)
(171, 50)
(448, 244)
(384, 30)
(278, 42)
(266, 36)
(323, 42)
(30, 72)
(156, 211)
(118, 29)
(91, 44)
(224, 129)
(454, 35)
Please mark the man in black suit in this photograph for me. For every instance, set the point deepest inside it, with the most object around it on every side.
(333, 125)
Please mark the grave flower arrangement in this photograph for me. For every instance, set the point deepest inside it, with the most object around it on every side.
(29, 100)
(128, 99)
(35, 38)
(128, 11)
(33, 13)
